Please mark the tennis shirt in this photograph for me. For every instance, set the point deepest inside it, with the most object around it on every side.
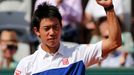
(66, 61)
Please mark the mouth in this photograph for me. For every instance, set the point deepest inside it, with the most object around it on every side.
(52, 39)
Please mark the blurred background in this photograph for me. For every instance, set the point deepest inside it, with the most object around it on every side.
(83, 22)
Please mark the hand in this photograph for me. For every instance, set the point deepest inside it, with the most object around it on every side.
(104, 3)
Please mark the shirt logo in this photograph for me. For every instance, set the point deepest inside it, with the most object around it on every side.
(65, 61)
(17, 72)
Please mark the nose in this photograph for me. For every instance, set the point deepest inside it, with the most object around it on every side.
(52, 32)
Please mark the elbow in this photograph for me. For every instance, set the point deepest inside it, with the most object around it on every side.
(115, 44)
(118, 44)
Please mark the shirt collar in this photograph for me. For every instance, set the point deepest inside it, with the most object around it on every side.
(61, 49)
(44, 53)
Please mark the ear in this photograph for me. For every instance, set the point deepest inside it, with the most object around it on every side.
(36, 31)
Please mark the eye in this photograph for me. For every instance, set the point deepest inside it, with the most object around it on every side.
(56, 27)
(46, 28)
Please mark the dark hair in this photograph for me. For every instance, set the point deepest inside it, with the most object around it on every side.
(45, 11)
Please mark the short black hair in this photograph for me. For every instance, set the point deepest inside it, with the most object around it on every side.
(45, 10)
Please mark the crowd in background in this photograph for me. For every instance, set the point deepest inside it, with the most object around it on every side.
(84, 22)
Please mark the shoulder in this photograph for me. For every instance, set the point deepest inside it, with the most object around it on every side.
(25, 64)
(84, 46)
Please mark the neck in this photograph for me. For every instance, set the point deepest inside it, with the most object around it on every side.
(51, 50)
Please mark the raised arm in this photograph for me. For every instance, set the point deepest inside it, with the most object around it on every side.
(114, 40)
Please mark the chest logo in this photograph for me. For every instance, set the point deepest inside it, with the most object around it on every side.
(17, 72)
(65, 61)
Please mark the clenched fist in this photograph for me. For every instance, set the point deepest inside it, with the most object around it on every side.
(104, 3)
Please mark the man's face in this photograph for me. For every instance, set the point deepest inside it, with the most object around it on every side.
(50, 32)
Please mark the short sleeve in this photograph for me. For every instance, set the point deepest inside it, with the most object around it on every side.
(21, 68)
(91, 54)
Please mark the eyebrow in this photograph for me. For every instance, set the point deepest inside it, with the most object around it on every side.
(50, 25)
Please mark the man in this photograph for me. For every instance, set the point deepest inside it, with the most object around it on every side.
(52, 58)
(8, 47)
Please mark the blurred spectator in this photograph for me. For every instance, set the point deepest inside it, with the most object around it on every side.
(93, 30)
(12, 22)
(132, 31)
(132, 28)
(118, 57)
(8, 47)
(16, 15)
(90, 32)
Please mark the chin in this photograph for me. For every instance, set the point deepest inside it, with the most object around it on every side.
(53, 44)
